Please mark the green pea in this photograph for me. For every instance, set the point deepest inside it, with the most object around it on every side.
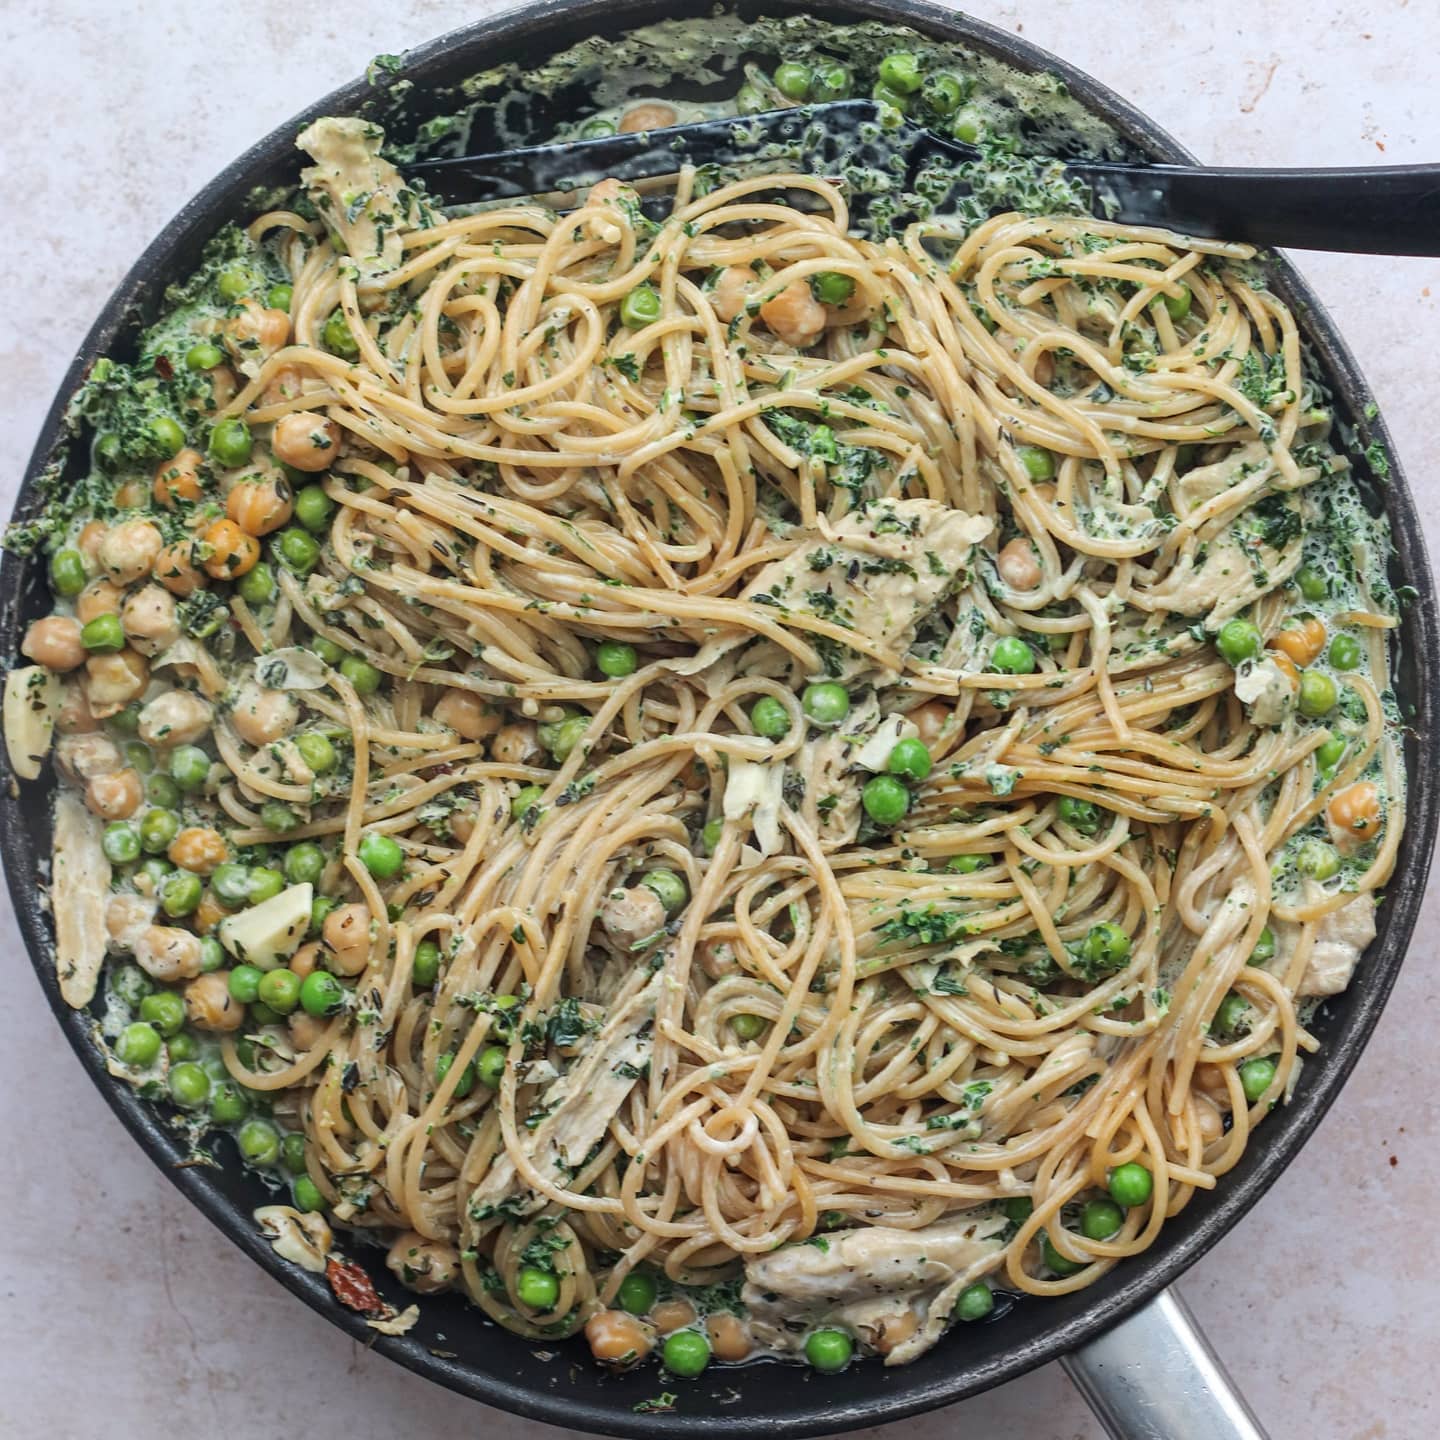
(320, 907)
(1055, 1261)
(710, 835)
(183, 1046)
(108, 451)
(1081, 815)
(307, 1195)
(161, 790)
(67, 573)
(597, 129)
(277, 816)
(155, 869)
(337, 337)
(257, 586)
(381, 855)
(1017, 1209)
(1012, 656)
(316, 751)
(826, 702)
(1039, 464)
(313, 509)
(1105, 946)
(265, 883)
(180, 893)
(212, 954)
(137, 755)
(831, 82)
(942, 93)
(278, 297)
(426, 967)
(280, 990)
(1345, 652)
(750, 101)
(228, 1105)
(235, 282)
(1131, 1185)
(1318, 860)
(491, 1066)
(830, 287)
(321, 994)
(1100, 1219)
(189, 767)
(1230, 1015)
(527, 800)
(326, 649)
(1312, 582)
(793, 80)
(567, 735)
(168, 435)
(165, 1010)
(887, 96)
(1239, 640)
(103, 635)
(259, 1142)
(243, 982)
(669, 888)
(900, 70)
(189, 1085)
(204, 356)
(686, 1353)
(974, 1302)
(828, 1350)
(1318, 694)
(1329, 755)
(536, 1288)
(231, 883)
(885, 800)
(361, 674)
(1178, 306)
(292, 1152)
(157, 830)
(910, 758)
(230, 443)
(616, 659)
(641, 307)
(966, 864)
(304, 863)
(637, 1293)
(968, 125)
(296, 549)
(1256, 1077)
(465, 1084)
(748, 1027)
(1264, 948)
(121, 843)
(138, 1045)
(770, 718)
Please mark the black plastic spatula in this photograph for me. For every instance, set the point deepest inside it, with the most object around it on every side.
(1380, 210)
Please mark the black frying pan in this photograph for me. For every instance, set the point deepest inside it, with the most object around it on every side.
(452, 1344)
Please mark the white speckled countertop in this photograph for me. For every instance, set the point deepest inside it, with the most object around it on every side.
(1323, 1302)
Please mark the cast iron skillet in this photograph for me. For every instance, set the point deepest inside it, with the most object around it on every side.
(452, 1344)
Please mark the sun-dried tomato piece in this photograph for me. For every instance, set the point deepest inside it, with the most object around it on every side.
(352, 1286)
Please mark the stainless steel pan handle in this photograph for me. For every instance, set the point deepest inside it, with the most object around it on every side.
(1155, 1377)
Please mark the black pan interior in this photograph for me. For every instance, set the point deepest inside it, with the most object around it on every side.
(451, 1344)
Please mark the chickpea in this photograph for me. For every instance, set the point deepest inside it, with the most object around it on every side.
(116, 796)
(648, 115)
(733, 289)
(178, 478)
(795, 316)
(148, 616)
(894, 1330)
(129, 550)
(168, 953)
(670, 1315)
(425, 1266)
(1286, 666)
(87, 542)
(347, 937)
(75, 716)
(1208, 1121)
(1355, 812)
(82, 757)
(208, 1002)
(931, 720)
(98, 598)
(113, 681)
(462, 824)
(208, 914)
(305, 959)
(261, 716)
(729, 1338)
(287, 383)
(305, 440)
(255, 333)
(232, 552)
(130, 496)
(305, 1030)
(609, 190)
(630, 915)
(1017, 564)
(260, 505)
(1302, 643)
(223, 386)
(516, 744)
(54, 642)
(617, 1339)
(717, 959)
(198, 848)
(467, 715)
(127, 917)
(174, 568)
(175, 718)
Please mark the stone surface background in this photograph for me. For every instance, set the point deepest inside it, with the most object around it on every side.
(121, 1310)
